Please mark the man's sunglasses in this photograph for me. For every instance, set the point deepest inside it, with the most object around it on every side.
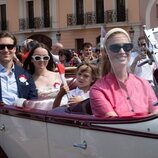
(40, 58)
(143, 44)
(9, 46)
(117, 47)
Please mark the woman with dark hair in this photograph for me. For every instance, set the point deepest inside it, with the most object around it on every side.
(40, 64)
(65, 57)
(30, 66)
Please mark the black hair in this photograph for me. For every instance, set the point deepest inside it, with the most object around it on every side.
(32, 44)
(67, 53)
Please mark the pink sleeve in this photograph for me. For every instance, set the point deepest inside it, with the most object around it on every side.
(99, 103)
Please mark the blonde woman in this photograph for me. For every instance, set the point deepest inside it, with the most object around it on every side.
(120, 93)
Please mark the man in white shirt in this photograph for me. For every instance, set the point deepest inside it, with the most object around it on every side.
(142, 65)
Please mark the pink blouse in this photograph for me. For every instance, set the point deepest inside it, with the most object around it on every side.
(133, 97)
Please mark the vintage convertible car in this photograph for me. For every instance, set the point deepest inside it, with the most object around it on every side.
(73, 132)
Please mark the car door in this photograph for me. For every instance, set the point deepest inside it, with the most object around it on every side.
(24, 137)
(112, 142)
(62, 140)
(1, 133)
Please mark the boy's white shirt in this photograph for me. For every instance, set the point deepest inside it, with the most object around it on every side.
(73, 93)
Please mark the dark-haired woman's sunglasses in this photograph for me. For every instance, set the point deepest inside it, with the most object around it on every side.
(115, 48)
(40, 58)
(9, 46)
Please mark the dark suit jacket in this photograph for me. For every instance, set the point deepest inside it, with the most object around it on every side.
(25, 84)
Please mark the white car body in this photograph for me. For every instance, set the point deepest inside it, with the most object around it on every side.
(57, 133)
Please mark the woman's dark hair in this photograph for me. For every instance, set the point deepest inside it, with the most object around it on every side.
(32, 44)
(29, 66)
(67, 53)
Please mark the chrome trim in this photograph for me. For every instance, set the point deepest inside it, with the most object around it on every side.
(81, 146)
(2, 128)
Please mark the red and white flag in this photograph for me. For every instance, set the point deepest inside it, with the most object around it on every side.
(61, 69)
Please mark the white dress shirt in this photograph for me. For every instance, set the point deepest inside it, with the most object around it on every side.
(73, 93)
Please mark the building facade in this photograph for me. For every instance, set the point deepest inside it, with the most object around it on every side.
(73, 22)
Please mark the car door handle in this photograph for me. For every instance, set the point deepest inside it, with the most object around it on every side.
(81, 146)
(2, 128)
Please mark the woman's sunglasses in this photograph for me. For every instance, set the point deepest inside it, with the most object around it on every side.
(117, 47)
(9, 46)
(40, 58)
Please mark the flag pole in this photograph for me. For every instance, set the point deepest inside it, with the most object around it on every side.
(61, 69)
(102, 35)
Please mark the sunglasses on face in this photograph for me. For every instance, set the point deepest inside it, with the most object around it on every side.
(40, 58)
(9, 46)
(143, 44)
(117, 47)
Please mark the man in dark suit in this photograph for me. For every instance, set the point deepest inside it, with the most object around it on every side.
(15, 82)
